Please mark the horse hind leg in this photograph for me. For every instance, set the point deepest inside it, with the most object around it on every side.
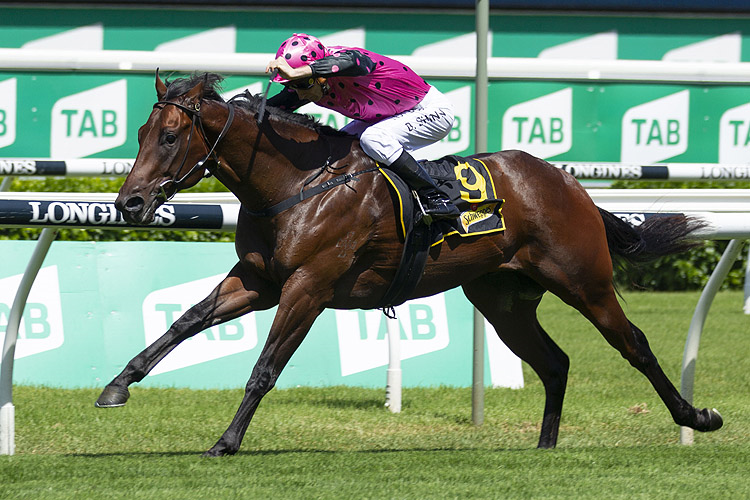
(509, 302)
(600, 306)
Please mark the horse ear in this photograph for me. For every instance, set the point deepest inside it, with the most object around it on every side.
(196, 93)
(161, 89)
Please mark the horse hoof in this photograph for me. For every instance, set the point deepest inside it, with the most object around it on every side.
(113, 396)
(215, 452)
(713, 419)
(220, 449)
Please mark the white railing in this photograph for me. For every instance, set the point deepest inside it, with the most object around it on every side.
(657, 171)
(522, 68)
(725, 209)
(79, 167)
(727, 212)
(105, 167)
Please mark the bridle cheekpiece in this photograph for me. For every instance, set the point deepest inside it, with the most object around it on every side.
(195, 116)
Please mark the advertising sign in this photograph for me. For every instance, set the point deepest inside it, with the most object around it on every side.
(96, 305)
(97, 115)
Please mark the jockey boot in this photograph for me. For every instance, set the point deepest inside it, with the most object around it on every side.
(436, 203)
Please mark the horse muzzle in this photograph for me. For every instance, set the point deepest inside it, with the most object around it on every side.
(134, 209)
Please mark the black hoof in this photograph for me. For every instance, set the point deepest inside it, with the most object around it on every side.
(217, 452)
(220, 449)
(113, 396)
(212, 453)
(712, 420)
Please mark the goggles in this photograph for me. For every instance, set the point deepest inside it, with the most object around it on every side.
(302, 84)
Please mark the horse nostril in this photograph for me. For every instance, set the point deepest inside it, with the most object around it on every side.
(134, 204)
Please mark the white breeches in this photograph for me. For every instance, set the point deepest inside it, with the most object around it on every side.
(424, 124)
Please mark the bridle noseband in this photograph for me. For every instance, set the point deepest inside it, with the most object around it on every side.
(195, 116)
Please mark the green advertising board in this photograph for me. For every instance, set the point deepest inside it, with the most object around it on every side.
(84, 114)
(105, 302)
(94, 306)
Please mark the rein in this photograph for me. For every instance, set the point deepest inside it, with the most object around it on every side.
(308, 193)
(195, 117)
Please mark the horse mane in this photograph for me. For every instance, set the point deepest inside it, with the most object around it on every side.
(246, 100)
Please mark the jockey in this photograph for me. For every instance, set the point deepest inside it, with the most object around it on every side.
(394, 111)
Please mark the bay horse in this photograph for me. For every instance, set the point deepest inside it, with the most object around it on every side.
(340, 248)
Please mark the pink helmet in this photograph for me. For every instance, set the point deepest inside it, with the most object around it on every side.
(299, 50)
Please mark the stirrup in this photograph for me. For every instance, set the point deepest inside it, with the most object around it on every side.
(426, 218)
(436, 201)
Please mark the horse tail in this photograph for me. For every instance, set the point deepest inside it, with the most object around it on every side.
(656, 237)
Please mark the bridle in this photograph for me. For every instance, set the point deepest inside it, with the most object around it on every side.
(195, 116)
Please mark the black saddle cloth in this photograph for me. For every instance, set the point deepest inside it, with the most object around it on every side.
(468, 183)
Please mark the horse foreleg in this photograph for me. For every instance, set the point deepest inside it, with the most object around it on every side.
(509, 303)
(294, 317)
(238, 294)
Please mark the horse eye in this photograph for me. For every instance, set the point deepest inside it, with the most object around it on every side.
(170, 138)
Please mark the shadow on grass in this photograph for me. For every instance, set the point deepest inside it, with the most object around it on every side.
(301, 451)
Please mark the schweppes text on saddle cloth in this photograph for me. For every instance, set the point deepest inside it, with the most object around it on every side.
(470, 186)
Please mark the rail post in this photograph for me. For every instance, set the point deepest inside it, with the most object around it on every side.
(393, 374)
(690, 356)
(7, 410)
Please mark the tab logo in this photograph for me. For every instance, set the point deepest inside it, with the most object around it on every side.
(41, 327)
(8, 112)
(542, 126)
(90, 122)
(163, 307)
(363, 335)
(656, 130)
(734, 135)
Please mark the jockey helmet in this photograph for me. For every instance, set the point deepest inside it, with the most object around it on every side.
(299, 50)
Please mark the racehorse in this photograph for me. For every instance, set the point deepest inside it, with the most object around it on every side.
(341, 249)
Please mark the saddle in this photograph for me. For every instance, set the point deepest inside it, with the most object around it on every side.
(469, 185)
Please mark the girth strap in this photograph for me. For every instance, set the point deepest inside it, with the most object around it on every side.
(410, 268)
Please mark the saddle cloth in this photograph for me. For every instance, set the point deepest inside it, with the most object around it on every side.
(468, 183)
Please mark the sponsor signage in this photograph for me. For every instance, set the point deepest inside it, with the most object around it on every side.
(582, 171)
(638, 218)
(162, 307)
(87, 114)
(20, 166)
(41, 327)
(734, 135)
(89, 122)
(726, 172)
(363, 339)
(542, 126)
(119, 297)
(29, 213)
(8, 107)
(671, 171)
(656, 130)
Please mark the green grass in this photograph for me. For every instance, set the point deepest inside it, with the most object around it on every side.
(616, 439)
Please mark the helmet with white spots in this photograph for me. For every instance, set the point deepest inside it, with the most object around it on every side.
(299, 50)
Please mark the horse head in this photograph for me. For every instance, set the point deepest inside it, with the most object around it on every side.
(172, 149)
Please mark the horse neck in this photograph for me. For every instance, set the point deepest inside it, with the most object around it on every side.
(266, 165)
